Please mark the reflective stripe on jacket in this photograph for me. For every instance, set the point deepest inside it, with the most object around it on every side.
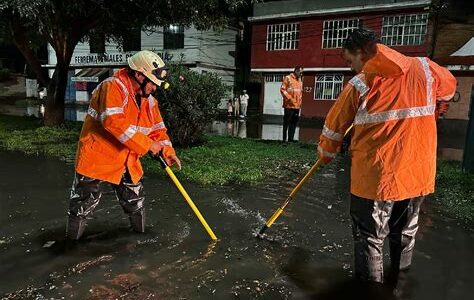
(292, 91)
(116, 133)
(392, 106)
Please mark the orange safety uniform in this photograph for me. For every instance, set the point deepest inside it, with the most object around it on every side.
(292, 91)
(391, 104)
(116, 132)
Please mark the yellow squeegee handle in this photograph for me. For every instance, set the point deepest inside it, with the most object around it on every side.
(295, 190)
(185, 195)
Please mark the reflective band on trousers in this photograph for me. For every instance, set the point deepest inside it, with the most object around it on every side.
(326, 153)
(363, 117)
(332, 134)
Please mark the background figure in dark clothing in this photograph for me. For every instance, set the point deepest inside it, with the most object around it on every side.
(290, 120)
(292, 90)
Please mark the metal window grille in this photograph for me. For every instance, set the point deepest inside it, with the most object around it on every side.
(404, 30)
(274, 77)
(327, 86)
(283, 36)
(336, 31)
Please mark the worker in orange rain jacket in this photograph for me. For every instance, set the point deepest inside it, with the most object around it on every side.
(123, 123)
(391, 103)
(292, 91)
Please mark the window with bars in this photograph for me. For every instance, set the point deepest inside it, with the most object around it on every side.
(336, 31)
(404, 30)
(274, 77)
(283, 36)
(327, 86)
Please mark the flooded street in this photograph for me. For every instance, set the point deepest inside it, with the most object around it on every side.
(308, 253)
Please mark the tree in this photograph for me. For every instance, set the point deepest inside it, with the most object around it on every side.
(190, 103)
(63, 24)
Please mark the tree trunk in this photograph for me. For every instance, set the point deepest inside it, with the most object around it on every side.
(54, 113)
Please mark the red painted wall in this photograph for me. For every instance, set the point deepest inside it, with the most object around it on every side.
(311, 108)
(310, 53)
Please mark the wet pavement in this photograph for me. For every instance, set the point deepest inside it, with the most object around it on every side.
(307, 254)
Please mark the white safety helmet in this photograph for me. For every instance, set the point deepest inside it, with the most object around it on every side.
(151, 65)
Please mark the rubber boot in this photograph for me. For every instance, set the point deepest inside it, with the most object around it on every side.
(75, 227)
(137, 220)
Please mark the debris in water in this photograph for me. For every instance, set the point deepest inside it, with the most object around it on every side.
(48, 244)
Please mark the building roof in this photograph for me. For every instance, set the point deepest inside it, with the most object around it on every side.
(461, 59)
(466, 50)
(306, 8)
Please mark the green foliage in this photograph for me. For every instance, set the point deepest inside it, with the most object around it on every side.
(455, 190)
(220, 160)
(4, 74)
(25, 135)
(189, 104)
(223, 160)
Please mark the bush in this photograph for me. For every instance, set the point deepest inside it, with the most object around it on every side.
(4, 74)
(189, 104)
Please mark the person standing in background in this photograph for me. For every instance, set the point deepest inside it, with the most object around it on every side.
(292, 91)
(244, 101)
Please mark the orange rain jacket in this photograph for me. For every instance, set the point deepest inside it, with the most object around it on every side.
(392, 106)
(292, 91)
(116, 133)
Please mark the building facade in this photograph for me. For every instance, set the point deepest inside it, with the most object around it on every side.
(311, 33)
(201, 51)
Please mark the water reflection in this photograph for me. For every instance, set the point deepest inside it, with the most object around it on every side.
(75, 113)
(259, 130)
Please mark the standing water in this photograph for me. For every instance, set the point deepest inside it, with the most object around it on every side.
(308, 254)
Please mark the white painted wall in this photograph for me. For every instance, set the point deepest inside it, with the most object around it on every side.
(209, 50)
(273, 101)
